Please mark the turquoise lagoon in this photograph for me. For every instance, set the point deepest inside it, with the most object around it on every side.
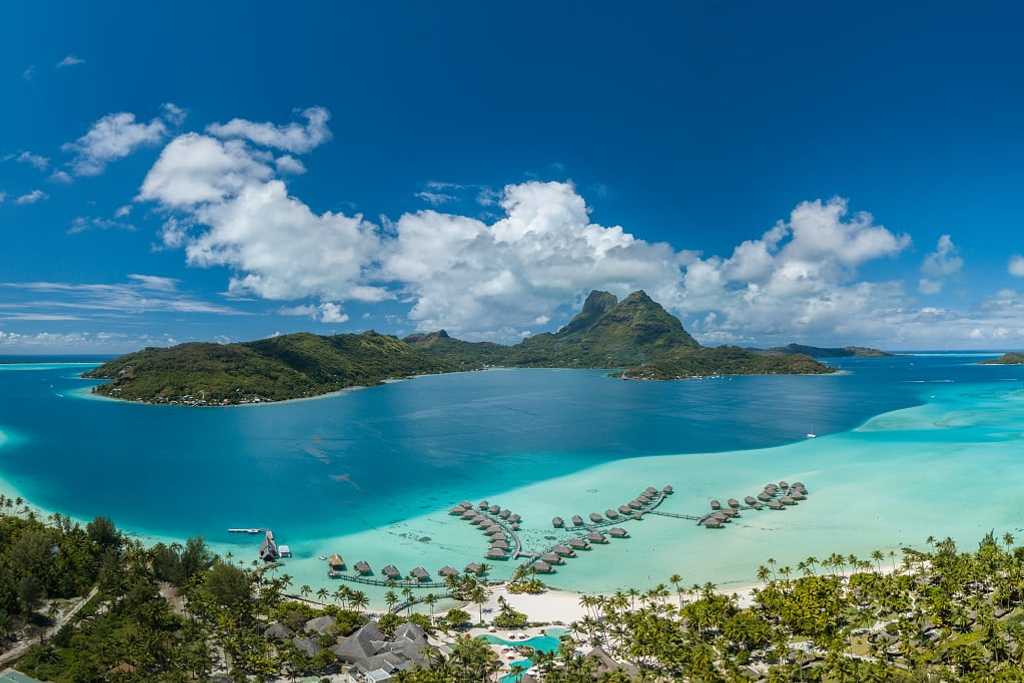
(906, 447)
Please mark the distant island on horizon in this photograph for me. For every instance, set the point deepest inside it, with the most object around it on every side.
(1010, 358)
(635, 335)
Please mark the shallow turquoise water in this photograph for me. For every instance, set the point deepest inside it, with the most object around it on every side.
(907, 446)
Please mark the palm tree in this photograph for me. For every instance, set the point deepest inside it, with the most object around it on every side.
(478, 596)
(677, 580)
(305, 591)
(431, 600)
(359, 601)
(322, 594)
(390, 599)
(407, 594)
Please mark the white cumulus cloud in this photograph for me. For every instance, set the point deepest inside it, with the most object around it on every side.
(31, 197)
(1016, 265)
(293, 137)
(112, 137)
(70, 60)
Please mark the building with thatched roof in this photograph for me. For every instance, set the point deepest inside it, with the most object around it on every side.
(391, 571)
(578, 543)
(611, 514)
(636, 504)
(551, 558)
(618, 532)
(558, 522)
(596, 518)
(363, 567)
(494, 509)
(505, 514)
(484, 505)
(474, 568)
(625, 510)
(496, 554)
(638, 516)
(668, 490)
(448, 570)
(419, 573)
(542, 567)
(715, 505)
(564, 551)
(335, 562)
(596, 537)
(750, 500)
(514, 518)
(577, 520)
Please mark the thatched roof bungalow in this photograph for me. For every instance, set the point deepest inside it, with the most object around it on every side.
(733, 503)
(578, 543)
(611, 514)
(596, 518)
(715, 505)
(668, 490)
(496, 554)
(577, 520)
(391, 571)
(419, 573)
(596, 537)
(335, 562)
(564, 551)
(448, 570)
(542, 567)
(551, 558)
(558, 522)
(474, 568)
(625, 509)
(618, 532)
(363, 567)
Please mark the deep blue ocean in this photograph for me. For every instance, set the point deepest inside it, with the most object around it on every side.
(368, 457)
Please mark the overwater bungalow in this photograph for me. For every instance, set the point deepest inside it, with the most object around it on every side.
(363, 567)
(578, 543)
(771, 487)
(514, 518)
(750, 500)
(448, 570)
(596, 537)
(478, 520)
(774, 504)
(419, 573)
(715, 505)
(611, 514)
(596, 518)
(796, 495)
(335, 562)
(638, 516)
(644, 498)
(729, 512)
(787, 500)
(457, 510)
(495, 531)
(469, 514)
(625, 509)
(496, 554)
(391, 571)
(712, 523)
(494, 509)
(651, 490)
(466, 504)
(618, 532)
(783, 485)
(474, 568)
(558, 522)
(757, 505)
(733, 503)
(635, 504)
(668, 490)
(505, 514)
(564, 551)
(500, 545)
(542, 567)
(484, 505)
(765, 497)
(577, 520)
(551, 558)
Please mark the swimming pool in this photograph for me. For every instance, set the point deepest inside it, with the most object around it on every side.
(548, 642)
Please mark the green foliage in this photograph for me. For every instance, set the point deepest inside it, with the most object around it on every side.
(725, 360)
(821, 352)
(284, 367)
(1012, 358)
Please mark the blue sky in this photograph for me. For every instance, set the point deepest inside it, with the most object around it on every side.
(809, 173)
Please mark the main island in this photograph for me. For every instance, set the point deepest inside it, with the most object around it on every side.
(635, 338)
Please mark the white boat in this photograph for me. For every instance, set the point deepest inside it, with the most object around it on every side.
(811, 436)
(245, 531)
